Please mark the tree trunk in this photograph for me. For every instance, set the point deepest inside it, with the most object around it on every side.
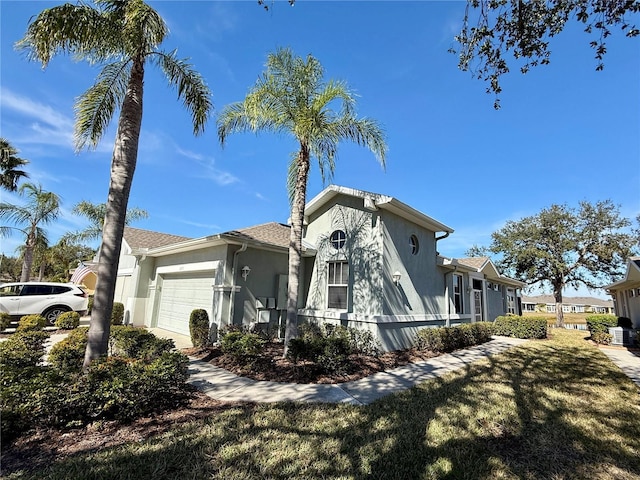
(295, 245)
(123, 165)
(27, 262)
(559, 312)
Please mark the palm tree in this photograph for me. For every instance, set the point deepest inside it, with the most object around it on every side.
(95, 213)
(291, 97)
(42, 208)
(9, 163)
(123, 36)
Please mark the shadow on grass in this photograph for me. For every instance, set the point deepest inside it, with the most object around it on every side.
(552, 409)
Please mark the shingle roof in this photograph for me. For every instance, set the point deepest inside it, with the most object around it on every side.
(550, 299)
(473, 262)
(272, 233)
(138, 238)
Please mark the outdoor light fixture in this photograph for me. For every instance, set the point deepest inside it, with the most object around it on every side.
(396, 278)
(245, 272)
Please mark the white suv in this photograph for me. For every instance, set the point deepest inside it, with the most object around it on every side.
(48, 299)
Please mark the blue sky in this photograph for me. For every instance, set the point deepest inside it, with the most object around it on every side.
(565, 133)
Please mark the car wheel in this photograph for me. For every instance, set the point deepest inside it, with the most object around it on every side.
(52, 314)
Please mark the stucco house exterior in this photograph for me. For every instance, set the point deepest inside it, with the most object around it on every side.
(369, 261)
(626, 293)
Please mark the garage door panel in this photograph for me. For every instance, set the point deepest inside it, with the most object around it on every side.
(180, 295)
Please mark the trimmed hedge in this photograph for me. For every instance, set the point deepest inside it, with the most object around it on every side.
(117, 313)
(601, 323)
(243, 346)
(448, 339)
(520, 327)
(68, 321)
(31, 323)
(329, 346)
(199, 328)
(5, 320)
(23, 349)
(127, 341)
(67, 355)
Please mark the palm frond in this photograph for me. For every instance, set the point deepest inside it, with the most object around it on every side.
(191, 88)
(73, 29)
(95, 107)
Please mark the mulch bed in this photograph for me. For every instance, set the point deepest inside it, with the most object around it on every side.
(272, 365)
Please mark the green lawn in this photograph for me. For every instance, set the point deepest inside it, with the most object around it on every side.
(554, 409)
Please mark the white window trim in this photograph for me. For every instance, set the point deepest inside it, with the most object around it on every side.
(329, 285)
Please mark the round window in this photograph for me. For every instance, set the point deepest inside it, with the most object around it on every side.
(415, 246)
(338, 239)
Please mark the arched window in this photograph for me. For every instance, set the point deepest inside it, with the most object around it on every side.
(415, 246)
(338, 239)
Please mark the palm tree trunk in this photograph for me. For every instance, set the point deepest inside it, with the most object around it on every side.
(27, 262)
(123, 165)
(295, 245)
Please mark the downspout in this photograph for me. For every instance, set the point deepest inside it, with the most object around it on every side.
(133, 295)
(234, 266)
(446, 294)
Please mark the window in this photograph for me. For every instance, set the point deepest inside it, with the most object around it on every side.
(511, 301)
(529, 307)
(414, 245)
(566, 308)
(338, 239)
(338, 285)
(457, 293)
(551, 308)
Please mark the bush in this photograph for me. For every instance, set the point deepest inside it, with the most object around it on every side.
(199, 328)
(448, 339)
(117, 313)
(602, 338)
(31, 323)
(68, 320)
(67, 355)
(601, 323)
(113, 388)
(243, 346)
(23, 349)
(5, 320)
(520, 327)
(126, 341)
(89, 304)
(624, 322)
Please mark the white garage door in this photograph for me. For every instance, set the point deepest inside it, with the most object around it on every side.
(180, 295)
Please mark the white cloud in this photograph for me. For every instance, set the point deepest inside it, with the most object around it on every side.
(209, 170)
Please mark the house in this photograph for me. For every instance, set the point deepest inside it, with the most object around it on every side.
(626, 293)
(369, 261)
(547, 304)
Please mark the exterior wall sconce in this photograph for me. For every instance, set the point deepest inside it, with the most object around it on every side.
(245, 272)
(396, 278)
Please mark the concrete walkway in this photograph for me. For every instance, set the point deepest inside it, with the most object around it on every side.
(627, 360)
(222, 385)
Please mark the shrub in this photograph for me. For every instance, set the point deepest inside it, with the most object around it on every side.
(624, 322)
(602, 338)
(89, 304)
(23, 349)
(520, 327)
(68, 355)
(126, 341)
(68, 320)
(30, 323)
(448, 339)
(5, 320)
(199, 327)
(117, 313)
(243, 346)
(600, 323)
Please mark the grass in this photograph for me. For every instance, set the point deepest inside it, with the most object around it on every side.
(554, 409)
(568, 317)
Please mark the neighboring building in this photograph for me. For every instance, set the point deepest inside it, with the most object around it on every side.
(626, 292)
(547, 304)
(369, 261)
